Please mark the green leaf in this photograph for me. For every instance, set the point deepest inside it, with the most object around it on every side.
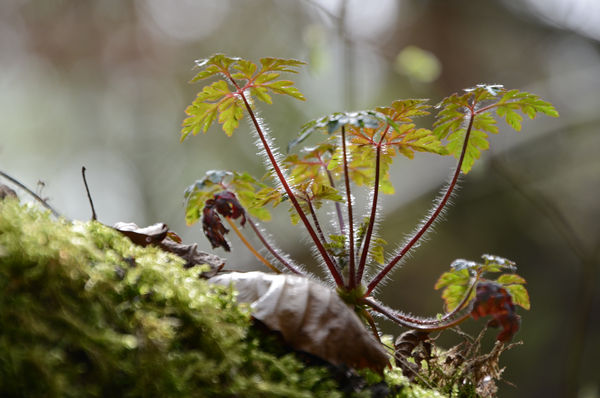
(218, 102)
(231, 111)
(478, 103)
(477, 142)
(284, 87)
(510, 279)
(376, 250)
(453, 295)
(520, 296)
(456, 277)
(456, 282)
(280, 64)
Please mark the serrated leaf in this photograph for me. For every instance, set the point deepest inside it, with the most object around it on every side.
(377, 250)
(453, 296)
(519, 295)
(477, 103)
(261, 94)
(284, 87)
(457, 277)
(217, 101)
(513, 119)
(510, 279)
(208, 72)
(231, 112)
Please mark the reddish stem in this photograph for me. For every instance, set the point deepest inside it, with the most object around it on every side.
(351, 267)
(429, 325)
(377, 279)
(330, 265)
(367, 242)
(270, 248)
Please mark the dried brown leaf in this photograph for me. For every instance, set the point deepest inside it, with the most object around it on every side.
(159, 234)
(310, 317)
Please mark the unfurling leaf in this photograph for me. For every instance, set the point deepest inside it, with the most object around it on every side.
(226, 204)
(494, 300)
(310, 317)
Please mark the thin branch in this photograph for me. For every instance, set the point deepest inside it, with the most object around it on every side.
(250, 247)
(351, 268)
(373, 284)
(87, 189)
(270, 248)
(30, 192)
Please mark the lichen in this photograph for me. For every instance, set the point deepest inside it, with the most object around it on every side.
(84, 312)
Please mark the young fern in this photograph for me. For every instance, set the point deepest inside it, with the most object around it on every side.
(358, 150)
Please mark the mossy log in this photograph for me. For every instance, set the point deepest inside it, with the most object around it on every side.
(84, 312)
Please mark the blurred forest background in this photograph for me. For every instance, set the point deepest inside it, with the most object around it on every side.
(104, 84)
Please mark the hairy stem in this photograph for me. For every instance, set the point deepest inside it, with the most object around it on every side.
(250, 247)
(367, 241)
(316, 221)
(30, 192)
(373, 284)
(338, 207)
(351, 267)
(427, 325)
(271, 249)
(328, 261)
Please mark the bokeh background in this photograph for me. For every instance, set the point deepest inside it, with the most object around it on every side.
(104, 84)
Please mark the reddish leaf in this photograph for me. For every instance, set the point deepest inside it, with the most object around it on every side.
(494, 300)
(226, 204)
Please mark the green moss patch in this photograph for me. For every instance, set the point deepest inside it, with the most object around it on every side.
(84, 312)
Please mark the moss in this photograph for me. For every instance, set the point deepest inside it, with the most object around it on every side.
(83, 312)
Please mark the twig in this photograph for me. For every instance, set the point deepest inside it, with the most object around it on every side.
(271, 249)
(33, 194)
(250, 247)
(94, 218)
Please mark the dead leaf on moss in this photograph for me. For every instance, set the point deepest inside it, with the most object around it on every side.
(159, 234)
(310, 317)
(152, 234)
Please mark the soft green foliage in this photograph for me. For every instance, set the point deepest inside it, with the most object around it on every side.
(464, 274)
(477, 103)
(84, 312)
(224, 99)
